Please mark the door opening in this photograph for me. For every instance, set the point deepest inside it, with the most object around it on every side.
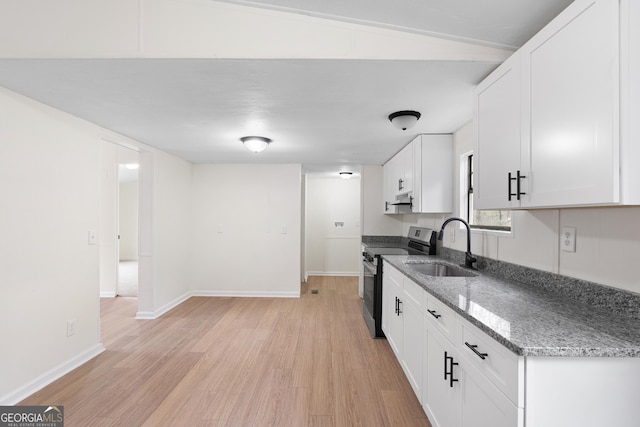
(127, 223)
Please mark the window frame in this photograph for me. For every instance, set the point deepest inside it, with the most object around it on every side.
(466, 199)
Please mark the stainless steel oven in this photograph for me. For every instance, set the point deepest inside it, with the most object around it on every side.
(369, 308)
(421, 241)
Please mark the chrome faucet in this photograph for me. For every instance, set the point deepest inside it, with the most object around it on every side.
(468, 258)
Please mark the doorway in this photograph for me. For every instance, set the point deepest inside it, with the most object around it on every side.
(127, 223)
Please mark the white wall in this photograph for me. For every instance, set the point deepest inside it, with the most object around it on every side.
(374, 222)
(245, 230)
(206, 29)
(607, 243)
(50, 186)
(332, 250)
(128, 220)
(107, 242)
(170, 245)
(51, 166)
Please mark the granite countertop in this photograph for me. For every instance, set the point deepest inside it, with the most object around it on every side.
(529, 321)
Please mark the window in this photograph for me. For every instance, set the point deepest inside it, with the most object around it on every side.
(486, 220)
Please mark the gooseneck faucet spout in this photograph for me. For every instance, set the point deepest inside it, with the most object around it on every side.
(468, 258)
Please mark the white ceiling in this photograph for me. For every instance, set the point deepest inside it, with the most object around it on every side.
(329, 115)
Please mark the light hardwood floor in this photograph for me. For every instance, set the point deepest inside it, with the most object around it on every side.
(240, 362)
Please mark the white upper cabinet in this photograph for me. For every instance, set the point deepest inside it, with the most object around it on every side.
(390, 173)
(497, 133)
(565, 85)
(398, 181)
(422, 175)
(433, 183)
(570, 107)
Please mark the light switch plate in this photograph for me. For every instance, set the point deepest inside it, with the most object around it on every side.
(568, 239)
(92, 237)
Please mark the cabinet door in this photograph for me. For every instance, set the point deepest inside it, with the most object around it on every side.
(570, 72)
(442, 398)
(392, 288)
(497, 133)
(389, 179)
(406, 172)
(412, 341)
(435, 192)
(484, 405)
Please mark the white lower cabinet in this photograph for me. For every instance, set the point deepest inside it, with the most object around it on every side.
(442, 394)
(455, 392)
(465, 378)
(484, 405)
(411, 313)
(425, 336)
(402, 299)
(392, 324)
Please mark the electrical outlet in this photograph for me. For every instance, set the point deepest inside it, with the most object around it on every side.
(71, 327)
(568, 239)
(452, 235)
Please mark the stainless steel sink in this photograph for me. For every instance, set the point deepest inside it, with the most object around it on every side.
(441, 270)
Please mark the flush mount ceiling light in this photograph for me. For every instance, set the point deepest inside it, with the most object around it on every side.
(403, 120)
(132, 166)
(346, 175)
(255, 144)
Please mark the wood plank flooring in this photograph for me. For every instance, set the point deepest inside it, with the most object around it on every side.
(240, 362)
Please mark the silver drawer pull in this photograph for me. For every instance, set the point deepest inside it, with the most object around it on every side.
(473, 348)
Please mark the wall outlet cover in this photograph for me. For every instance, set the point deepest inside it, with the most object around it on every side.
(568, 239)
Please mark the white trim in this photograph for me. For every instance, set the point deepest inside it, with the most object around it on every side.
(107, 294)
(370, 23)
(151, 315)
(332, 273)
(50, 376)
(246, 294)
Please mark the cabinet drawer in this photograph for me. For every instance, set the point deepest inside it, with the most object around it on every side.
(441, 316)
(414, 292)
(393, 273)
(502, 367)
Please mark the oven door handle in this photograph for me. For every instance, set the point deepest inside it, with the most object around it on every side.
(368, 266)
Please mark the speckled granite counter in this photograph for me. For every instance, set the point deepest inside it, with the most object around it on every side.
(529, 320)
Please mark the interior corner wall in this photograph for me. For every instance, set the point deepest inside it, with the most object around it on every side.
(171, 216)
(245, 230)
(50, 185)
(374, 222)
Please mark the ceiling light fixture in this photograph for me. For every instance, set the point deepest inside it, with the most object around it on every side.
(132, 166)
(346, 175)
(403, 120)
(255, 144)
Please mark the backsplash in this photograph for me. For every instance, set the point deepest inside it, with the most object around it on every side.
(602, 297)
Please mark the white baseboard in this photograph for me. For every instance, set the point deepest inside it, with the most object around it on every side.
(50, 376)
(245, 294)
(150, 315)
(107, 294)
(333, 273)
